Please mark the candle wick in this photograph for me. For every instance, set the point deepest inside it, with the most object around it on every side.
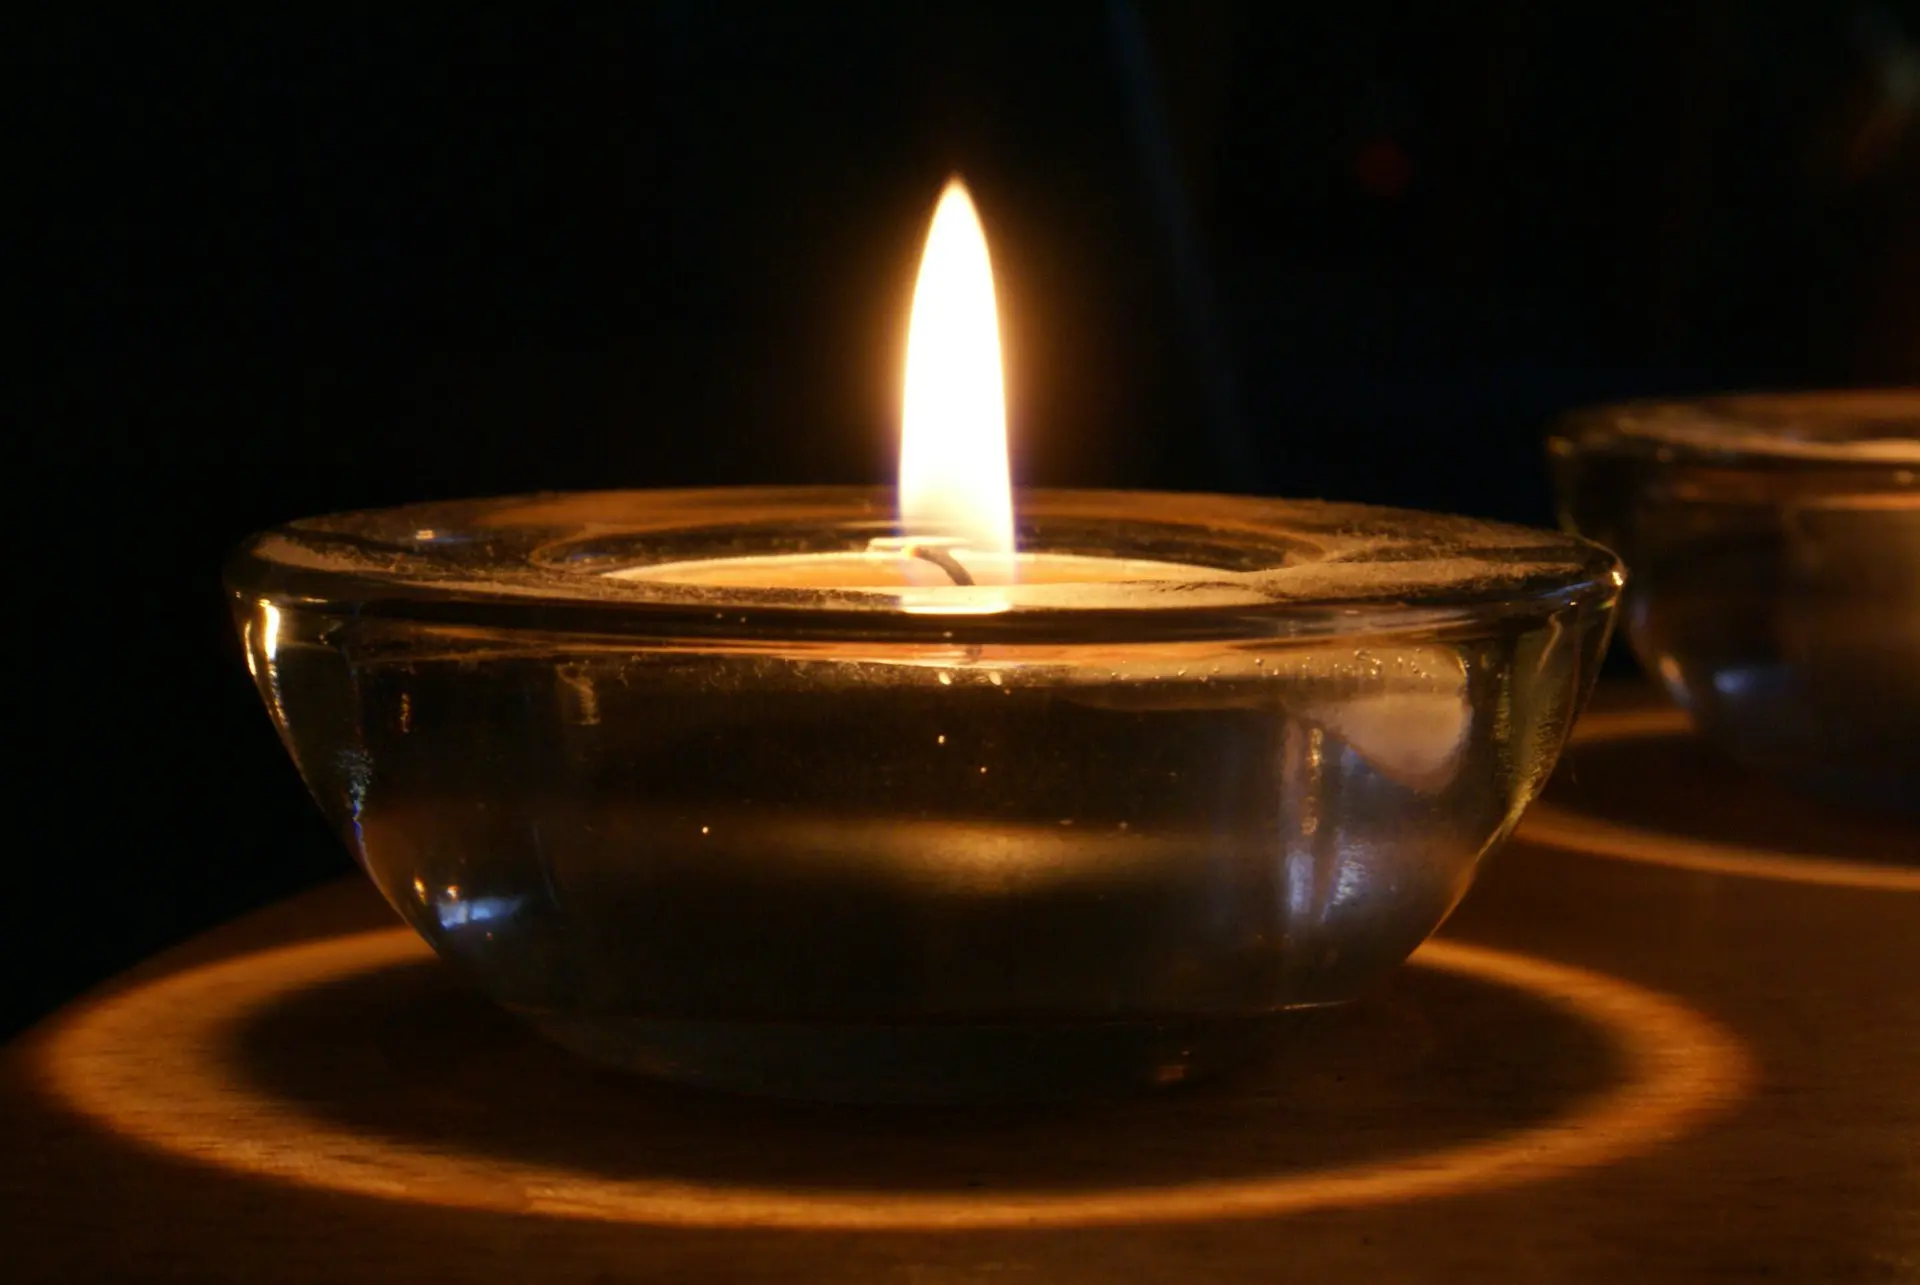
(945, 561)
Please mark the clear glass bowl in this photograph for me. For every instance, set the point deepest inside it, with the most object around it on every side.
(1775, 545)
(827, 843)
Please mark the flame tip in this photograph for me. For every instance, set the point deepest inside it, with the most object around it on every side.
(956, 194)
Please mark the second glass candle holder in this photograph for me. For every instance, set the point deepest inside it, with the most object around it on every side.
(1775, 541)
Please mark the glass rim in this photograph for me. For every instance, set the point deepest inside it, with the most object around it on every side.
(1873, 430)
(1263, 568)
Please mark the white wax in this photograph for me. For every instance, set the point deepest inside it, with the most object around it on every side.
(1052, 580)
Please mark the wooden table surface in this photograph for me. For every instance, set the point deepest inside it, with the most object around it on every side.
(1672, 1035)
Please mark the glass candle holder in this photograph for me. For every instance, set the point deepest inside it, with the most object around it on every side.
(714, 786)
(1775, 542)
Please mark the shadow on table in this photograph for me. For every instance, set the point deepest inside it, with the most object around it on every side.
(406, 1054)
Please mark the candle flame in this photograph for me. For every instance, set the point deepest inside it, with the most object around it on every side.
(954, 483)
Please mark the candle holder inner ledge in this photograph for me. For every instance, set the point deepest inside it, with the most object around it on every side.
(837, 843)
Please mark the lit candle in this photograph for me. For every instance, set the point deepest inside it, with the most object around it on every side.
(955, 551)
(794, 790)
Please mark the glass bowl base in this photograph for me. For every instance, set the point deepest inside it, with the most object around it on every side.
(1855, 744)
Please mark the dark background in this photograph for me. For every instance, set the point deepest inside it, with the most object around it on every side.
(270, 265)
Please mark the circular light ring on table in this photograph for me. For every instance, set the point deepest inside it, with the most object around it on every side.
(1554, 826)
(137, 1062)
